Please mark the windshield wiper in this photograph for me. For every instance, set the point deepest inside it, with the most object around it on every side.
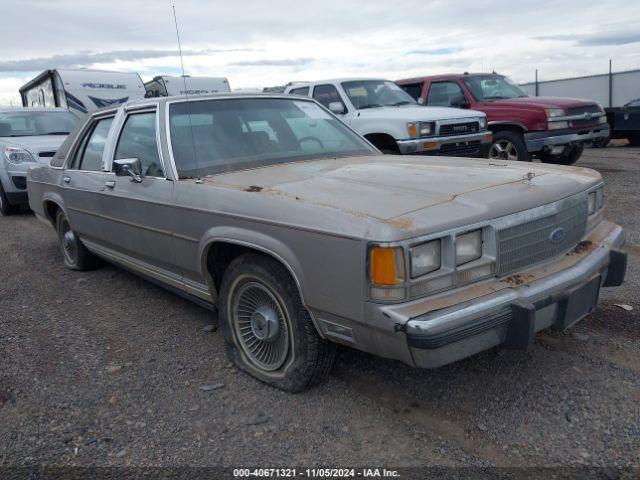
(57, 133)
(498, 97)
(371, 105)
(402, 102)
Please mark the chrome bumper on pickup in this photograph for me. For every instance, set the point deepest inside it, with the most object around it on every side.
(435, 144)
(508, 311)
(537, 141)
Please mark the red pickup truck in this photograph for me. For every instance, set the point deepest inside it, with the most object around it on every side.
(553, 130)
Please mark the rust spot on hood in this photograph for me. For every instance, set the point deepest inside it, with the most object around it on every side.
(403, 223)
(253, 188)
(518, 279)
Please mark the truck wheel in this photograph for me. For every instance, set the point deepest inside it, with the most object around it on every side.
(268, 332)
(635, 141)
(6, 208)
(508, 145)
(567, 159)
(74, 253)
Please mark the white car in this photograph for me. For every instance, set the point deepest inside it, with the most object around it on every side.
(28, 136)
(394, 122)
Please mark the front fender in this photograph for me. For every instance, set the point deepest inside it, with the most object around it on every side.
(252, 239)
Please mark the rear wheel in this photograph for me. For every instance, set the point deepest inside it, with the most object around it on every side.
(508, 145)
(268, 332)
(74, 253)
(6, 208)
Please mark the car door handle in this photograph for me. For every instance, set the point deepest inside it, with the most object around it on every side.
(66, 179)
(110, 184)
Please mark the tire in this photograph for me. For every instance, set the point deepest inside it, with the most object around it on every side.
(268, 332)
(74, 253)
(508, 145)
(6, 208)
(635, 141)
(601, 142)
(568, 159)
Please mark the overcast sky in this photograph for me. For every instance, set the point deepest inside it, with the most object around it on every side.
(264, 43)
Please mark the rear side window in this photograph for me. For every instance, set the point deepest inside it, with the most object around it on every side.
(413, 89)
(444, 94)
(138, 140)
(88, 156)
(303, 91)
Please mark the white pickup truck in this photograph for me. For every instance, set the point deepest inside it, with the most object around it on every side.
(394, 122)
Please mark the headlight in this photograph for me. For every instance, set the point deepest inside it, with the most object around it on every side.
(602, 119)
(554, 112)
(386, 273)
(483, 123)
(420, 129)
(557, 125)
(17, 155)
(468, 247)
(426, 258)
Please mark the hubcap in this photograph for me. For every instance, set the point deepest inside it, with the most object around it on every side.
(260, 325)
(503, 150)
(68, 240)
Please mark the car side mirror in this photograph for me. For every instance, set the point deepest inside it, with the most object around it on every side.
(459, 102)
(336, 108)
(130, 167)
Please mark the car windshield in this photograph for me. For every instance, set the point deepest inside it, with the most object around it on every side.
(376, 93)
(23, 123)
(215, 136)
(487, 88)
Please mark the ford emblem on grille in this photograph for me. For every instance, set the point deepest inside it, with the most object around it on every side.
(557, 236)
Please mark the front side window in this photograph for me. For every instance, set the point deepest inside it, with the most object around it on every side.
(138, 140)
(326, 94)
(376, 93)
(234, 134)
(88, 156)
(24, 123)
(445, 94)
(488, 88)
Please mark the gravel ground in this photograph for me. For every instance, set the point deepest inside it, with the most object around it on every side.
(103, 368)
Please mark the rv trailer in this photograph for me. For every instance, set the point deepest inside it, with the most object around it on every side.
(82, 90)
(168, 86)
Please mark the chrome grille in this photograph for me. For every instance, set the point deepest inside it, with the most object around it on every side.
(458, 128)
(528, 243)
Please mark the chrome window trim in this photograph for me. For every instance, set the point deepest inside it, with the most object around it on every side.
(88, 130)
(122, 121)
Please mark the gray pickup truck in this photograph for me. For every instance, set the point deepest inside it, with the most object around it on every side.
(304, 236)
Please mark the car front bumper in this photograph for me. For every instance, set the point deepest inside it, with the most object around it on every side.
(14, 184)
(541, 141)
(449, 145)
(438, 330)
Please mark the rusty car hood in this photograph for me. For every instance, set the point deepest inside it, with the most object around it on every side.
(411, 194)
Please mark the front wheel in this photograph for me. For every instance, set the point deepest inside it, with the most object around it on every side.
(508, 145)
(567, 159)
(6, 208)
(267, 330)
(74, 253)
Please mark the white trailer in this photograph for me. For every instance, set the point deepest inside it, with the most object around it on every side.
(82, 90)
(167, 86)
(609, 89)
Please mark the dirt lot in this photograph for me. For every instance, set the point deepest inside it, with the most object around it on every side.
(102, 368)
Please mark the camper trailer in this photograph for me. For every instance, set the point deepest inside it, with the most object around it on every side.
(167, 86)
(81, 91)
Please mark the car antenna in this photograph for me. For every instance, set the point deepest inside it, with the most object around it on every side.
(186, 95)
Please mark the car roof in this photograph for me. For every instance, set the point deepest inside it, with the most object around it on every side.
(32, 109)
(157, 101)
(444, 76)
(336, 80)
